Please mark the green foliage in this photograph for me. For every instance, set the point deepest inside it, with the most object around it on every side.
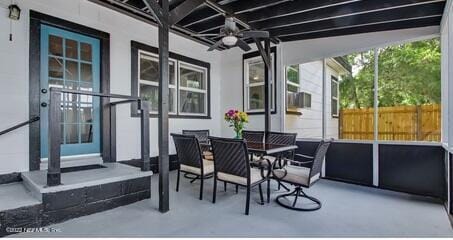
(409, 74)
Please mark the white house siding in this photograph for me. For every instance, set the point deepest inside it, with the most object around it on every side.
(309, 124)
(122, 29)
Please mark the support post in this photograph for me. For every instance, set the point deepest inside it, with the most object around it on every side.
(54, 128)
(144, 123)
(112, 132)
(267, 87)
(163, 108)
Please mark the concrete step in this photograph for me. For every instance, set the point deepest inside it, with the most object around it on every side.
(15, 195)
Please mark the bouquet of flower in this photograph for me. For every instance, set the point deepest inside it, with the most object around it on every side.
(236, 119)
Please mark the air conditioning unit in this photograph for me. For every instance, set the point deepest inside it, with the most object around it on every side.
(299, 100)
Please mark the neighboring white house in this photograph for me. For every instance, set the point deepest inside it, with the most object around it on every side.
(308, 78)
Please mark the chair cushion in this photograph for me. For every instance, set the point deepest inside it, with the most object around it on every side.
(208, 168)
(255, 176)
(295, 175)
(207, 155)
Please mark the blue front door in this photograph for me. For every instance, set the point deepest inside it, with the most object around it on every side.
(71, 61)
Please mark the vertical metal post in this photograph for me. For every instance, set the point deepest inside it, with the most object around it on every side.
(54, 128)
(144, 122)
(163, 108)
(267, 87)
(112, 132)
(324, 115)
(376, 118)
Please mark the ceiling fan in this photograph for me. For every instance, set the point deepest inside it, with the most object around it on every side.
(233, 36)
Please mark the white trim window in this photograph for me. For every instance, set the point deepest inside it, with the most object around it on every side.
(254, 72)
(148, 83)
(193, 90)
(292, 84)
(335, 93)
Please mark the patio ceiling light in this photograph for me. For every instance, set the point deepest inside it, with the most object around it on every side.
(230, 40)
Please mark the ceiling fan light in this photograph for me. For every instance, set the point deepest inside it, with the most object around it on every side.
(229, 40)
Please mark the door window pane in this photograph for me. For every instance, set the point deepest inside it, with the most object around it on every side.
(86, 133)
(86, 71)
(71, 112)
(72, 50)
(85, 52)
(71, 133)
(192, 102)
(55, 67)
(72, 70)
(86, 113)
(55, 46)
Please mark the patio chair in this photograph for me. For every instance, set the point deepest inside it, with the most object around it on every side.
(302, 174)
(232, 165)
(190, 159)
(280, 138)
(253, 136)
(203, 139)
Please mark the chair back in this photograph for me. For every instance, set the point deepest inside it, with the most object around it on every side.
(231, 156)
(253, 136)
(281, 138)
(319, 157)
(188, 150)
(201, 135)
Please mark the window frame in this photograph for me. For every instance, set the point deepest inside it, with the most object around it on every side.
(136, 49)
(289, 83)
(196, 68)
(332, 98)
(154, 57)
(246, 86)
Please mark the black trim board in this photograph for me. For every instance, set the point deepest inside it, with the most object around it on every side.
(36, 19)
(10, 178)
(135, 47)
(257, 54)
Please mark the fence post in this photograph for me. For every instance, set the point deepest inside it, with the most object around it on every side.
(54, 132)
(144, 122)
(418, 122)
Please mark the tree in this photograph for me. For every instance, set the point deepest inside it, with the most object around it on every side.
(409, 74)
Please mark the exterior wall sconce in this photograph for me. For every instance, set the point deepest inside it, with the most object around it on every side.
(14, 14)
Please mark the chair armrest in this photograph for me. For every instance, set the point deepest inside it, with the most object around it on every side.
(304, 156)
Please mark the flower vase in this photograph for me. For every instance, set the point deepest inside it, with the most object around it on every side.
(238, 135)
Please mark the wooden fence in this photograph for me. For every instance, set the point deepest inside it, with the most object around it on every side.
(409, 123)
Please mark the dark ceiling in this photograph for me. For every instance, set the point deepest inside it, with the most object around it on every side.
(290, 20)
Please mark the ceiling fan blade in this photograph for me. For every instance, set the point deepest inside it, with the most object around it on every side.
(205, 35)
(243, 45)
(216, 45)
(255, 34)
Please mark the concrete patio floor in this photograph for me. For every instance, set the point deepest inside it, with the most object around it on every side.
(348, 210)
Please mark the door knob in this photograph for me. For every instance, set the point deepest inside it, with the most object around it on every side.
(43, 104)
(44, 90)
